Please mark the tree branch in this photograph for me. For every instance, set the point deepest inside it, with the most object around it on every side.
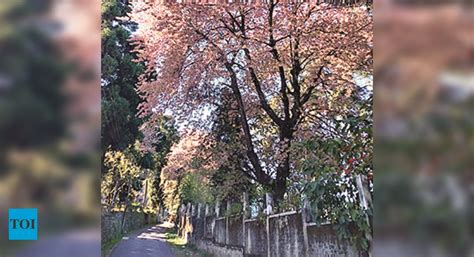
(260, 175)
(281, 70)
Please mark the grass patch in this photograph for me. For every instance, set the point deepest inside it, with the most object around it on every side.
(106, 247)
(180, 248)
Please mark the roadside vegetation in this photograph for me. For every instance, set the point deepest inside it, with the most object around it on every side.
(109, 245)
(180, 248)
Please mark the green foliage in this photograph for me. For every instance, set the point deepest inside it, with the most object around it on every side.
(192, 189)
(157, 159)
(126, 165)
(331, 163)
(235, 209)
(120, 124)
(125, 172)
(122, 180)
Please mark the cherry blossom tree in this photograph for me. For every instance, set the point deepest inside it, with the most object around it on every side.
(273, 57)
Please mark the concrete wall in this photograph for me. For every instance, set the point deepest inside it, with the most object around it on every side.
(111, 223)
(234, 231)
(286, 235)
(209, 227)
(198, 223)
(219, 250)
(255, 238)
(277, 235)
(220, 231)
(323, 241)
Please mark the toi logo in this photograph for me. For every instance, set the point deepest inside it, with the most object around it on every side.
(23, 224)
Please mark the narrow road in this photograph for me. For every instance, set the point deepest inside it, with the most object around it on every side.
(144, 243)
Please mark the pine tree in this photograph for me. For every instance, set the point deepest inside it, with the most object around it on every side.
(120, 124)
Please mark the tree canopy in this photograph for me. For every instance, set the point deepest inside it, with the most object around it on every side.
(276, 59)
(131, 169)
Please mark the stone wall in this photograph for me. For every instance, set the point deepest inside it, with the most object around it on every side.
(112, 222)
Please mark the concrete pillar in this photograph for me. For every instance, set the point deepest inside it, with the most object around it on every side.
(228, 205)
(217, 209)
(269, 203)
(206, 213)
(365, 202)
(181, 219)
(306, 217)
(193, 210)
(199, 211)
(268, 212)
(188, 210)
(182, 214)
(245, 204)
(364, 194)
(307, 210)
(245, 215)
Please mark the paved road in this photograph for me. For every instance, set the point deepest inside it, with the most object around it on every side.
(145, 243)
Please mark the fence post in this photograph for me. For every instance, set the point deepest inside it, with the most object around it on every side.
(217, 214)
(188, 210)
(269, 203)
(187, 220)
(199, 210)
(268, 212)
(181, 218)
(217, 209)
(306, 217)
(182, 212)
(245, 215)
(245, 206)
(228, 205)
(365, 201)
(206, 213)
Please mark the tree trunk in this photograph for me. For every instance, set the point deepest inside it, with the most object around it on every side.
(283, 169)
(280, 187)
(127, 201)
(123, 219)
